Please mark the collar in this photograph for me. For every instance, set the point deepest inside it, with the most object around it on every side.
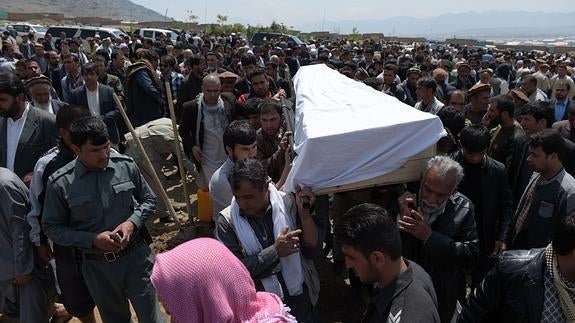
(564, 102)
(385, 295)
(557, 177)
(24, 114)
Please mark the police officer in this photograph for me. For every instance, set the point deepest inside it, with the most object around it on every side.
(89, 204)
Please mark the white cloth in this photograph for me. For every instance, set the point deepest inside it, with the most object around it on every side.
(220, 189)
(93, 100)
(364, 132)
(291, 266)
(14, 131)
(213, 150)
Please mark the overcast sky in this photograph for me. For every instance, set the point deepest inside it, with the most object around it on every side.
(303, 13)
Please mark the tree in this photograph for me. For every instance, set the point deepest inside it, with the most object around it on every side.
(191, 17)
(221, 19)
(355, 35)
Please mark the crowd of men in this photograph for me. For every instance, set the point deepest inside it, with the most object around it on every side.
(502, 180)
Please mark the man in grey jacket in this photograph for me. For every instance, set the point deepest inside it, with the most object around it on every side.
(26, 287)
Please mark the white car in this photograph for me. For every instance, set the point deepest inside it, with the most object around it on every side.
(24, 28)
(154, 33)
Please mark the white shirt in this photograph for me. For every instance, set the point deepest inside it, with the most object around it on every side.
(14, 130)
(93, 101)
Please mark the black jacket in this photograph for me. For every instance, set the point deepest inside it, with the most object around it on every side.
(511, 292)
(450, 250)
(496, 204)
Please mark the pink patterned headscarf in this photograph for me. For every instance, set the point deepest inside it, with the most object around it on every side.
(202, 281)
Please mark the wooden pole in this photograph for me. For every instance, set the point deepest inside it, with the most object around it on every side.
(178, 151)
(148, 163)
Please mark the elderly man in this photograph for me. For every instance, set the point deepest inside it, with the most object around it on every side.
(202, 128)
(529, 86)
(439, 231)
(40, 88)
(274, 236)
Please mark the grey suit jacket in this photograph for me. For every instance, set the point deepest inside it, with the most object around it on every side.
(39, 134)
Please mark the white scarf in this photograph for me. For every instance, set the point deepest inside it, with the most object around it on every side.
(291, 267)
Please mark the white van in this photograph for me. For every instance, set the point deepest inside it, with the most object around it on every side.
(85, 32)
(154, 33)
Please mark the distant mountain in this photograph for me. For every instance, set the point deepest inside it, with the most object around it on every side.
(468, 24)
(113, 9)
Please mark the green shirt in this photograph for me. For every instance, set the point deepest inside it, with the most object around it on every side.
(81, 203)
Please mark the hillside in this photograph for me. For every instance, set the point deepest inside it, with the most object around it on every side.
(113, 9)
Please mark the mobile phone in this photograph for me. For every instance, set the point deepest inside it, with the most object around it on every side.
(412, 206)
(117, 236)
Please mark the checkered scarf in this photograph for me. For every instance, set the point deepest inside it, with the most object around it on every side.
(565, 289)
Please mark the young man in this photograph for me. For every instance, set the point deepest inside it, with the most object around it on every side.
(91, 205)
(274, 236)
(273, 140)
(549, 196)
(528, 285)
(75, 295)
(240, 143)
(485, 184)
(426, 95)
(371, 244)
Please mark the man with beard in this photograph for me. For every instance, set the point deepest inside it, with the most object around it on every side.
(260, 87)
(485, 183)
(507, 132)
(409, 86)
(192, 83)
(144, 100)
(273, 140)
(479, 96)
(464, 81)
(108, 79)
(439, 231)
(240, 143)
(202, 127)
(371, 244)
(26, 133)
(562, 103)
(39, 89)
(55, 71)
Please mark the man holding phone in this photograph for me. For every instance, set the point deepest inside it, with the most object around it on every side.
(89, 205)
(439, 231)
(274, 236)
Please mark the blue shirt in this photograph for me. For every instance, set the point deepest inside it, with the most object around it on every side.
(560, 108)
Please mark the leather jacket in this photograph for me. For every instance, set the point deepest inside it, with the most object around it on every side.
(511, 292)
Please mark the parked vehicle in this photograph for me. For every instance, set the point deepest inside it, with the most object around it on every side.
(24, 28)
(259, 37)
(154, 33)
(85, 32)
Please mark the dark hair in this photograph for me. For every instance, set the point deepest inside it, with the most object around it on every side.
(100, 58)
(256, 72)
(73, 56)
(89, 68)
(539, 110)
(368, 228)
(504, 103)
(390, 67)
(239, 132)
(428, 83)
(374, 83)
(452, 119)
(531, 79)
(11, 85)
(248, 59)
(550, 142)
(250, 108)
(564, 236)
(250, 170)
(68, 114)
(150, 55)
(194, 60)
(116, 53)
(270, 106)
(475, 138)
(90, 128)
(169, 60)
